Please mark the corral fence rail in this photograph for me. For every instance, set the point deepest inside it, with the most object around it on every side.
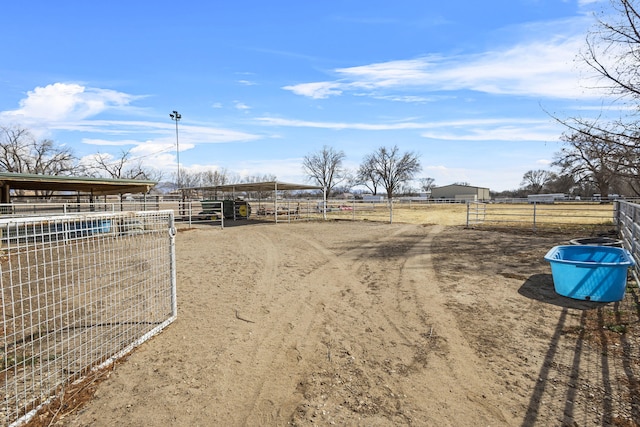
(620, 215)
(78, 291)
(540, 215)
(188, 211)
(337, 209)
(627, 216)
(198, 211)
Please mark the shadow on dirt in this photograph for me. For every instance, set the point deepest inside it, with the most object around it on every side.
(540, 287)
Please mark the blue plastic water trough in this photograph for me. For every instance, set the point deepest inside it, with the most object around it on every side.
(591, 273)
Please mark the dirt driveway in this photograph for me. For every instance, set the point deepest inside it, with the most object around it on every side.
(372, 324)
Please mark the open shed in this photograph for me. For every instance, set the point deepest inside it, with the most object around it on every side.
(267, 186)
(274, 186)
(84, 185)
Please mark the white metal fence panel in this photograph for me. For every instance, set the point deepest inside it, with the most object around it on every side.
(628, 217)
(78, 291)
(540, 215)
(186, 212)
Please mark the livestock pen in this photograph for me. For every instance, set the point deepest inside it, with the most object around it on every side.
(78, 292)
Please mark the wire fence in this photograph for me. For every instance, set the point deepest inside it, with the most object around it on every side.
(78, 292)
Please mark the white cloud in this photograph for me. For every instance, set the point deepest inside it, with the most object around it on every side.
(497, 129)
(67, 101)
(106, 142)
(541, 64)
(337, 125)
(241, 106)
(586, 2)
(409, 99)
(318, 90)
(522, 132)
(210, 135)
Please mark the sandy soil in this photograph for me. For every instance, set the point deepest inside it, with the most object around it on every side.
(373, 324)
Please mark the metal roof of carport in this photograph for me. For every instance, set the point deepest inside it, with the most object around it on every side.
(258, 186)
(95, 186)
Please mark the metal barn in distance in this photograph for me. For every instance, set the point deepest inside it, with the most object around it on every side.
(461, 193)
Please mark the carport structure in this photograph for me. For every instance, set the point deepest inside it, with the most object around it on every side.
(267, 186)
(79, 185)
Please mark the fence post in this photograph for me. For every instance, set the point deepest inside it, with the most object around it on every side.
(468, 212)
(534, 216)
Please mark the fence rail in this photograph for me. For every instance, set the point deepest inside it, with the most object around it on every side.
(540, 215)
(534, 215)
(280, 210)
(78, 291)
(628, 220)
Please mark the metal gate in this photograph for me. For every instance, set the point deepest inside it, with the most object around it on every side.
(78, 292)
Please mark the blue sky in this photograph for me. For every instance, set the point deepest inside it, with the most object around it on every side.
(260, 84)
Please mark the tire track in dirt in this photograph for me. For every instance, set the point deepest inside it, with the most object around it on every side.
(282, 341)
(354, 261)
(312, 333)
(395, 370)
(351, 262)
(368, 341)
(461, 373)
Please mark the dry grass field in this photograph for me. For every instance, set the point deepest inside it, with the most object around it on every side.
(593, 217)
(365, 323)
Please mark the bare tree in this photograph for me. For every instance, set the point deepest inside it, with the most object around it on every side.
(325, 167)
(394, 169)
(427, 183)
(612, 50)
(122, 167)
(592, 158)
(367, 175)
(563, 183)
(260, 178)
(20, 152)
(212, 178)
(534, 181)
(613, 144)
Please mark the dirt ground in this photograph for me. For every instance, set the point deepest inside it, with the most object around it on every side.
(374, 324)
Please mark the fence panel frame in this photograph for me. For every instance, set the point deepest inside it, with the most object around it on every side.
(539, 215)
(78, 292)
(628, 223)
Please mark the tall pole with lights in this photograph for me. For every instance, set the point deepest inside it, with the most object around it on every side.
(176, 117)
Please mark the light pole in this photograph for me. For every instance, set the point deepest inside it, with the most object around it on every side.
(176, 117)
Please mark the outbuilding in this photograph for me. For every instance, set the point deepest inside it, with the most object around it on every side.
(461, 193)
(79, 185)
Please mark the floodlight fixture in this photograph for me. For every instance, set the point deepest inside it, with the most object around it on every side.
(175, 116)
